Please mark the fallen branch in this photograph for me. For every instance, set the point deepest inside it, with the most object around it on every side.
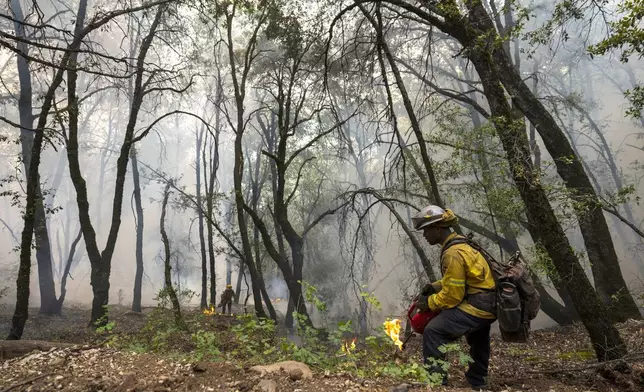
(16, 348)
(24, 382)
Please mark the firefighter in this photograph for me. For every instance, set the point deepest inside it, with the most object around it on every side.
(464, 297)
(227, 299)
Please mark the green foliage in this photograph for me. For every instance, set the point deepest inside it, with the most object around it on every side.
(310, 294)
(184, 296)
(256, 338)
(626, 35)
(107, 328)
(206, 345)
(371, 299)
(541, 261)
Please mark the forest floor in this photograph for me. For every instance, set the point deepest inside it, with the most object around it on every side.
(140, 352)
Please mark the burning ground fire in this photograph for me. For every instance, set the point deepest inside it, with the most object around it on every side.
(210, 312)
(213, 312)
(348, 347)
(392, 328)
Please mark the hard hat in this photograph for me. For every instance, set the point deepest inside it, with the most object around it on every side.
(427, 216)
(229, 286)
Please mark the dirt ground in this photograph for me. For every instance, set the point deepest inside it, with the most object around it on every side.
(555, 360)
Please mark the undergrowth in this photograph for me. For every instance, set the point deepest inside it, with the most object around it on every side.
(246, 340)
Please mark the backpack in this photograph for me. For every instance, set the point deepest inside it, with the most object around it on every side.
(517, 300)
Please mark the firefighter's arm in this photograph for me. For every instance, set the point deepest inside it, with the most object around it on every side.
(452, 285)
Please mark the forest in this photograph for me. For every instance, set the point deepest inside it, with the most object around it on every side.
(280, 148)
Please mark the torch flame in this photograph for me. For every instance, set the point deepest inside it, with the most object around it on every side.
(392, 328)
(209, 312)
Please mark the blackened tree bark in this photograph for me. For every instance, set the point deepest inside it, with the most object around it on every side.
(21, 312)
(101, 261)
(477, 35)
(167, 271)
(239, 86)
(210, 177)
(48, 301)
(138, 276)
(607, 274)
(202, 241)
(256, 182)
(511, 130)
(68, 267)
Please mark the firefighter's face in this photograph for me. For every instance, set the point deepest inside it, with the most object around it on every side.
(432, 234)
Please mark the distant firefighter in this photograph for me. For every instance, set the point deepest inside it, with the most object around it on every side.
(227, 299)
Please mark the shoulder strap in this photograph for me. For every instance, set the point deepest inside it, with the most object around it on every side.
(471, 242)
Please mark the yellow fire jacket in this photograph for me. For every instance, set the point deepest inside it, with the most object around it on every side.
(464, 271)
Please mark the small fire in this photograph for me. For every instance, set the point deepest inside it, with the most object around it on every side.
(392, 328)
(347, 348)
(209, 312)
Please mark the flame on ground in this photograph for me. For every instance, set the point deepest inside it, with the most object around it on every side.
(392, 328)
(347, 348)
(209, 312)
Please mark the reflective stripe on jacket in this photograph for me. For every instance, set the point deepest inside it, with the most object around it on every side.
(464, 270)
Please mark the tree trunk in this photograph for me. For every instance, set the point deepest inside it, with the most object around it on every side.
(166, 262)
(101, 262)
(240, 274)
(138, 276)
(68, 266)
(22, 283)
(43, 246)
(609, 280)
(541, 217)
(210, 185)
(238, 171)
(21, 311)
(202, 242)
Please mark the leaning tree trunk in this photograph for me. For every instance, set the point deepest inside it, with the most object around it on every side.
(22, 284)
(609, 280)
(178, 320)
(605, 338)
(68, 267)
(43, 247)
(563, 315)
(138, 276)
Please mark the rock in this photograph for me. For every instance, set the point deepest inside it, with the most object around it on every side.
(267, 386)
(399, 388)
(199, 367)
(286, 366)
(58, 362)
(295, 374)
(128, 380)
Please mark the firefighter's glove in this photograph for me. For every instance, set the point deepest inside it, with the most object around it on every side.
(428, 290)
(422, 303)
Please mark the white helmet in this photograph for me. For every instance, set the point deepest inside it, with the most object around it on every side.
(427, 216)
